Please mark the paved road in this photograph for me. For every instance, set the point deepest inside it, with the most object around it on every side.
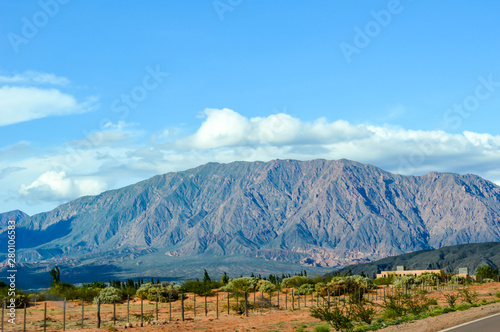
(486, 324)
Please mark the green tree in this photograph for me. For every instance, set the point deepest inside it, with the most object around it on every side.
(109, 295)
(206, 277)
(55, 276)
(224, 279)
(486, 272)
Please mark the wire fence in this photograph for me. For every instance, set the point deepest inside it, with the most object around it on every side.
(62, 315)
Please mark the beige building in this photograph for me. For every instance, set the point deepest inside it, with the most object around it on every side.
(401, 271)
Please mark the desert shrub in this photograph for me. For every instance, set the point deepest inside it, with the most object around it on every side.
(267, 287)
(361, 311)
(336, 316)
(306, 289)
(468, 296)
(295, 281)
(433, 302)
(88, 293)
(488, 280)
(342, 285)
(63, 290)
(322, 328)
(401, 303)
(497, 295)
(199, 287)
(243, 284)
(157, 291)
(458, 279)
(427, 278)
(385, 280)
(451, 299)
(404, 281)
(20, 297)
(109, 295)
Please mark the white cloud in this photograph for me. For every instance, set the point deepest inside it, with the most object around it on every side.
(56, 187)
(34, 77)
(225, 128)
(19, 104)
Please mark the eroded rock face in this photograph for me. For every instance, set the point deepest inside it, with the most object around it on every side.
(318, 213)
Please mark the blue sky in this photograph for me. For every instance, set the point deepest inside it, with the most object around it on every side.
(96, 95)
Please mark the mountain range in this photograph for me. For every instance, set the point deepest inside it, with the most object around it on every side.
(264, 217)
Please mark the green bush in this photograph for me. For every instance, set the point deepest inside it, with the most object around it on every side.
(343, 285)
(109, 295)
(322, 328)
(161, 291)
(451, 299)
(243, 284)
(199, 287)
(20, 297)
(267, 287)
(306, 289)
(65, 290)
(468, 296)
(295, 281)
(486, 272)
(337, 317)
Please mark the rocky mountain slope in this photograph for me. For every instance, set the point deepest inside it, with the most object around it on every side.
(316, 213)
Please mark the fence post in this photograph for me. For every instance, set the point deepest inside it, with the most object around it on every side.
(298, 301)
(278, 299)
(64, 315)
(228, 303)
(142, 311)
(98, 312)
(182, 306)
(157, 307)
(328, 290)
(217, 305)
(270, 301)
(194, 304)
(3, 309)
(293, 300)
(246, 304)
(128, 308)
(254, 291)
(24, 320)
(206, 308)
(114, 312)
(169, 306)
(286, 299)
(44, 317)
(83, 312)
(262, 302)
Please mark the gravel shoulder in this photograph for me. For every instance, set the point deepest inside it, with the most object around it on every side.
(446, 320)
